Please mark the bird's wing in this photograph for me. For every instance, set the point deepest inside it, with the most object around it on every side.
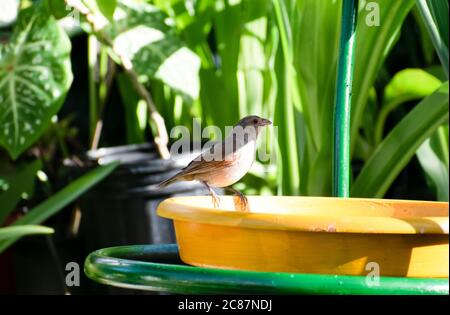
(204, 166)
(207, 161)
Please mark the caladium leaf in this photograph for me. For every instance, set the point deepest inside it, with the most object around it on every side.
(35, 75)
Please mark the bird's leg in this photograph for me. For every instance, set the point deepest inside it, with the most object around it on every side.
(240, 201)
(215, 198)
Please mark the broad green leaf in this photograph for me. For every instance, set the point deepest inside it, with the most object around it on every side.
(35, 76)
(15, 232)
(404, 87)
(61, 199)
(22, 182)
(433, 157)
(401, 144)
(142, 33)
(414, 82)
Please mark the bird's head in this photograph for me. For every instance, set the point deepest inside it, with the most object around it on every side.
(253, 121)
(248, 128)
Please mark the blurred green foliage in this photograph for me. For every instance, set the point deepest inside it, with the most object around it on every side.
(221, 60)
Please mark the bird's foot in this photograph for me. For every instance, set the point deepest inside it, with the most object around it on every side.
(240, 201)
(215, 198)
(216, 201)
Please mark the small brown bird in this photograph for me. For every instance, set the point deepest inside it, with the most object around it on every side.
(226, 162)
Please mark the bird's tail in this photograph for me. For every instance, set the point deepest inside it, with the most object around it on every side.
(168, 181)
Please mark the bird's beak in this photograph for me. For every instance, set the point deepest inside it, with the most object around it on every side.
(265, 122)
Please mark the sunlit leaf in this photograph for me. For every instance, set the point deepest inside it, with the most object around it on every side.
(19, 231)
(416, 82)
(107, 7)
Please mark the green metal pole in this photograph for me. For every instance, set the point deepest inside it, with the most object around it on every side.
(342, 108)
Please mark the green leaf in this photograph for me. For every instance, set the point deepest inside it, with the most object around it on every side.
(16, 232)
(61, 199)
(433, 157)
(435, 16)
(404, 87)
(22, 182)
(286, 108)
(400, 145)
(142, 33)
(107, 7)
(35, 76)
(425, 40)
(315, 27)
(406, 82)
(58, 8)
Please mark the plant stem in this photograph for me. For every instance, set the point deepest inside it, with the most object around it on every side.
(105, 81)
(384, 112)
(92, 69)
(61, 142)
(342, 109)
(161, 138)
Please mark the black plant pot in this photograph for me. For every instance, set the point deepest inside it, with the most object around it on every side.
(121, 210)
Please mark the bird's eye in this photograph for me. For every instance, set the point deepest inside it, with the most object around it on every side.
(255, 121)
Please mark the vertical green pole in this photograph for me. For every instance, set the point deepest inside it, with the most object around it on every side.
(342, 108)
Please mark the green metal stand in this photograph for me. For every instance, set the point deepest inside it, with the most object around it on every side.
(159, 268)
(342, 107)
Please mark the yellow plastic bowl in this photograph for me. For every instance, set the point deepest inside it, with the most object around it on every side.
(314, 235)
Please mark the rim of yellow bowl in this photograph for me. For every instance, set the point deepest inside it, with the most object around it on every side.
(315, 214)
